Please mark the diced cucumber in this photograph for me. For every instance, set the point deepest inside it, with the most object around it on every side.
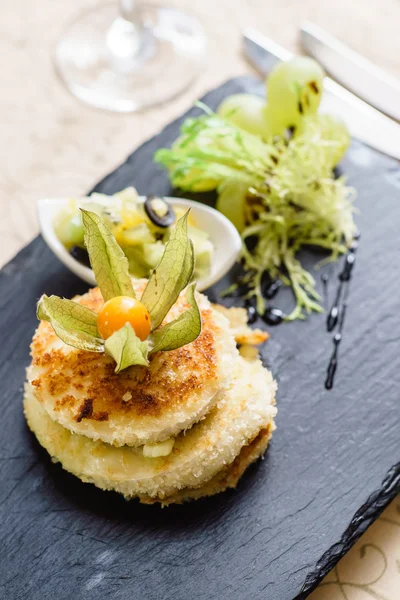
(137, 265)
(157, 450)
(152, 253)
(141, 240)
(142, 259)
(136, 236)
(129, 194)
(197, 235)
(203, 252)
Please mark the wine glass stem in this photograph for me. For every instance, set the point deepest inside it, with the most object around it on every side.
(130, 11)
(126, 38)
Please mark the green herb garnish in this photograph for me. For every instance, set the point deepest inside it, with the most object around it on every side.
(78, 326)
(174, 334)
(108, 261)
(126, 348)
(173, 273)
(280, 192)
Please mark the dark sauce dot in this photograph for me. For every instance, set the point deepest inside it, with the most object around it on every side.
(337, 338)
(348, 267)
(273, 289)
(353, 247)
(251, 315)
(273, 316)
(332, 318)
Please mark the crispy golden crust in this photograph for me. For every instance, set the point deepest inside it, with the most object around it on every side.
(225, 479)
(197, 465)
(107, 391)
(243, 334)
(81, 390)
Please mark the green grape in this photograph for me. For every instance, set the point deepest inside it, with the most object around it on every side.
(247, 112)
(69, 229)
(231, 202)
(332, 132)
(294, 89)
(335, 131)
(277, 124)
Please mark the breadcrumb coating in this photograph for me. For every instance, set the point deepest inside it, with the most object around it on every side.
(81, 391)
(246, 409)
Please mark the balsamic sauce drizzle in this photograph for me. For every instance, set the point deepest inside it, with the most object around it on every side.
(337, 338)
(337, 313)
(344, 278)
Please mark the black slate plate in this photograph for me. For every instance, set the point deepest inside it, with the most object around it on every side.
(331, 468)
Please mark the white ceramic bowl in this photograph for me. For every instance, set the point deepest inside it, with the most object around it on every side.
(223, 235)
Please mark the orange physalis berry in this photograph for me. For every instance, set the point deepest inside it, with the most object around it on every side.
(120, 310)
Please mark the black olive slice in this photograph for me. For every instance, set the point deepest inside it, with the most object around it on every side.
(159, 211)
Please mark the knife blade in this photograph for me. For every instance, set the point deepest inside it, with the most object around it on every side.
(352, 70)
(363, 121)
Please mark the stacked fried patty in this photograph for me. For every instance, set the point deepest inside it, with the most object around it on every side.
(186, 426)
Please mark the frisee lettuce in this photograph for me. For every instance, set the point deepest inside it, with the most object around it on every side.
(280, 193)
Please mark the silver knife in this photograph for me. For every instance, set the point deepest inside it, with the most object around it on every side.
(363, 121)
(353, 71)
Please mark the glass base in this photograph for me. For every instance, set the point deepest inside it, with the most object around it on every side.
(111, 63)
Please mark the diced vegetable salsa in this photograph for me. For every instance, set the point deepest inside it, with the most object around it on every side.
(141, 237)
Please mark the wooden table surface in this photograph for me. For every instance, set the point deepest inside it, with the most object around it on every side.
(52, 145)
